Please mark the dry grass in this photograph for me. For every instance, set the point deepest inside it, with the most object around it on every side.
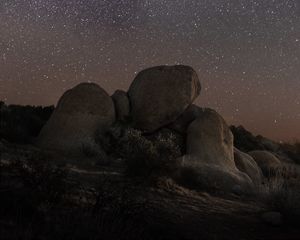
(281, 192)
(42, 201)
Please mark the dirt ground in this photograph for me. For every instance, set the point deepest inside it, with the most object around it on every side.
(171, 211)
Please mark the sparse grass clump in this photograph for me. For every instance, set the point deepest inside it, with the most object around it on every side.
(281, 193)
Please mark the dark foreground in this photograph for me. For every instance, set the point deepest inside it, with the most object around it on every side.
(45, 195)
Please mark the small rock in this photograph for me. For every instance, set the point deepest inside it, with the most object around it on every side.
(272, 218)
(237, 189)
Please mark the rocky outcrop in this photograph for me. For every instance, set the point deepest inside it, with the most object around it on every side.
(210, 154)
(159, 100)
(80, 112)
(122, 105)
(159, 95)
(183, 121)
(266, 161)
(245, 163)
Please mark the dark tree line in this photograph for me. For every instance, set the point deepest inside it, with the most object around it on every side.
(21, 124)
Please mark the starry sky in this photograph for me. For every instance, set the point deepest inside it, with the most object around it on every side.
(246, 52)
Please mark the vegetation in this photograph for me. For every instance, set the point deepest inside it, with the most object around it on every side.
(281, 192)
(40, 200)
(144, 154)
(31, 188)
(20, 124)
(246, 141)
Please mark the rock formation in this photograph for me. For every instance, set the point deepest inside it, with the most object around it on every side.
(245, 163)
(159, 95)
(183, 121)
(266, 161)
(122, 105)
(79, 113)
(160, 98)
(210, 154)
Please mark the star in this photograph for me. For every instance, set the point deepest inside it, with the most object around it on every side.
(245, 52)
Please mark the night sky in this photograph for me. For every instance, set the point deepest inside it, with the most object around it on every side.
(246, 52)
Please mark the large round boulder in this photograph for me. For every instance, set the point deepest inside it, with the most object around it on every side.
(159, 95)
(267, 161)
(122, 105)
(245, 163)
(210, 157)
(80, 112)
(210, 139)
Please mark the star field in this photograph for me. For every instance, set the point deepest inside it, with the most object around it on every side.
(246, 52)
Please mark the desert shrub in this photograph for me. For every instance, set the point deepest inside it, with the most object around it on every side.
(176, 139)
(144, 154)
(21, 124)
(281, 193)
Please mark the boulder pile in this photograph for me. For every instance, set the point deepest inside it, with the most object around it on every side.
(266, 161)
(159, 98)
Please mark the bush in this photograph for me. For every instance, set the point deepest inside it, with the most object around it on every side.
(20, 124)
(147, 157)
(144, 154)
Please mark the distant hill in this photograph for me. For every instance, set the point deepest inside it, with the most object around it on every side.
(246, 141)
